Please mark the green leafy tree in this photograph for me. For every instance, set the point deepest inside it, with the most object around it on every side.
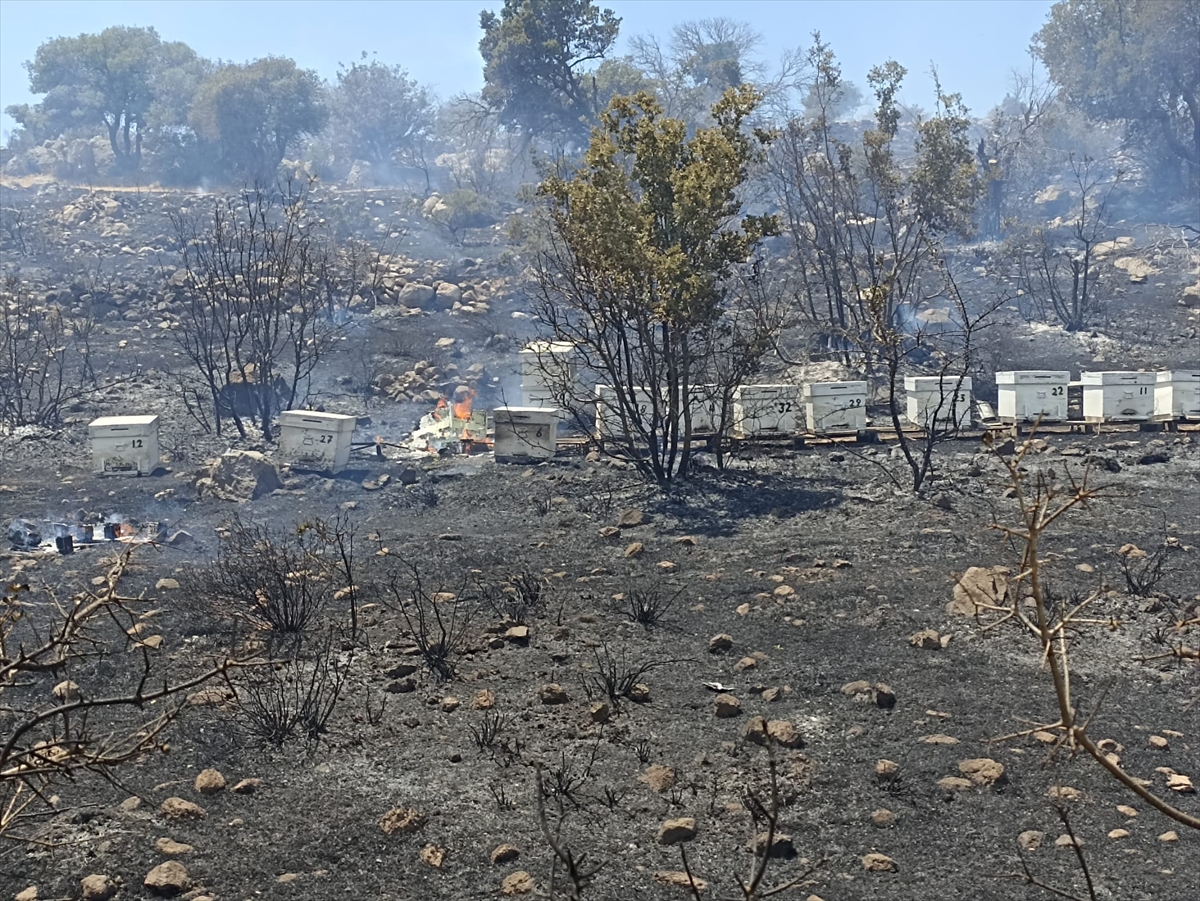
(538, 56)
(125, 78)
(379, 114)
(645, 243)
(1136, 61)
(253, 113)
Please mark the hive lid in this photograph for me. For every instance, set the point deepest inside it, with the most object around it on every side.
(314, 418)
(1021, 376)
(108, 422)
(1179, 375)
(1116, 377)
(819, 388)
(929, 382)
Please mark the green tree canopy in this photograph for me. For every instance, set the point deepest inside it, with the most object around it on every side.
(380, 115)
(254, 112)
(125, 78)
(645, 235)
(1131, 60)
(536, 56)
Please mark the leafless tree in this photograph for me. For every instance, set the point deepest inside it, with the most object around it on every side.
(1061, 268)
(261, 303)
(54, 733)
(1055, 623)
(45, 356)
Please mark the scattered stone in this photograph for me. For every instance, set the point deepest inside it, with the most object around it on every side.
(783, 591)
(954, 784)
(782, 847)
(27, 894)
(95, 887)
(784, 733)
(1117, 834)
(285, 878)
(600, 712)
(168, 879)
(504, 854)
(682, 829)
(1126, 810)
(172, 848)
(886, 770)
(1169, 836)
(238, 475)
(744, 664)
(939, 739)
(720, 643)
(634, 550)
(658, 777)
(179, 809)
(403, 820)
(518, 635)
(449, 704)
(1158, 742)
(1154, 457)
(553, 693)
(631, 519)
(610, 532)
(983, 771)
(979, 587)
(166, 585)
(680, 879)
(67, 691)
(884, 696)
(485, 699)
(402, 686)
(131, 803)
(639, 693)
(1030, 839)
(943, 502)
(209, 782)
(1177, 782)
(859, 689)
(1065, 841)
(518, 883)
(434, 855)
(883, 818)
(879, 863)
(1064, 793)
(926, 640)
(727, 706)
(247, 787)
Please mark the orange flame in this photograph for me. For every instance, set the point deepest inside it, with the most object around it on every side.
(462, 408)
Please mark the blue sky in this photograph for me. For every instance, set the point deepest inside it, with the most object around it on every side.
(975, 43)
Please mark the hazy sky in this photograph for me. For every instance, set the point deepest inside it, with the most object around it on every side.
(975, 43)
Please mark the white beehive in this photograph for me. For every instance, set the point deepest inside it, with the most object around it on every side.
(1177, 394)
(608, 410)
(706, 409)
(1117, 396)
(548, 370)
(525, 433)
(763, 410)
(1032, 394)
(835, 407)
(930, 394)
(124, 444)
(315, 440)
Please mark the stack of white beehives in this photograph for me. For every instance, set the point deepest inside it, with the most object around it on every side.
(548, 373)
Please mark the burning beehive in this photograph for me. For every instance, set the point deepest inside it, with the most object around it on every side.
(452, 426)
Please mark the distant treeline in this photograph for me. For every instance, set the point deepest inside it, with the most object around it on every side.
(164, 112)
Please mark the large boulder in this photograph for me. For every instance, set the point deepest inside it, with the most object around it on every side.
(238, 475)
(414, 294)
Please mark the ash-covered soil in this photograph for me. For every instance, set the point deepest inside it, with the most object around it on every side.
(817, 569)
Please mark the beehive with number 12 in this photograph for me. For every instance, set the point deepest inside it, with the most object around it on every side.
(124, 444)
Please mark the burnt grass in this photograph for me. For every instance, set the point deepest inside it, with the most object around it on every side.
(869, 566)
